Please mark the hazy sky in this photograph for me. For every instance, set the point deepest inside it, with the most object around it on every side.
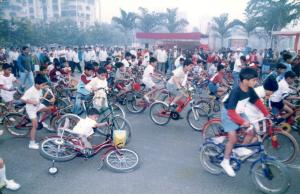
(197, 12)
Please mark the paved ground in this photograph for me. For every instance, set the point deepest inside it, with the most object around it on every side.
(169, 165)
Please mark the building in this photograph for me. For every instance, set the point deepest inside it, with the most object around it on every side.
(84, 12)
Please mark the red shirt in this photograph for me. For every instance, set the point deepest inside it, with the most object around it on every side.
(217, 78)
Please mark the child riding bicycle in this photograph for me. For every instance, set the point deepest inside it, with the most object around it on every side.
(233, 115)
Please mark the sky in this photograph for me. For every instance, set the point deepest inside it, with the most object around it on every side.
(197, 12)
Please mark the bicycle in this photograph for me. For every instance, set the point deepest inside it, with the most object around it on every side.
(263, 170)
(63, 148)
(277, 142)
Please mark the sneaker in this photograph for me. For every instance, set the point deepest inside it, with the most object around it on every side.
(12, 185)
(33, 145)
(2, 184)
(242, 151)
(227, 168)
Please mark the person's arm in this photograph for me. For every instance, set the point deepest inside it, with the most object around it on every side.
(235, 117)
(25, 98)
(260, 105)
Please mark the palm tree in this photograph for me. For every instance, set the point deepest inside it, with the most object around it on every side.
(126, 22)
(149, 21)
(222, 26)
(172, 23)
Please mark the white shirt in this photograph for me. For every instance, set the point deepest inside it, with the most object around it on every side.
(7, 82)
(282, 92)
(85, 127)
(126, 63)
(212, 70)
(102, 55)
(177, 61)
(86, 56)
(237, 63)
(97, 83)
(75, 58)
(61, 53)
(32, 94)
(69, 54)
(161, 56)
(147, 74)
(180, 75)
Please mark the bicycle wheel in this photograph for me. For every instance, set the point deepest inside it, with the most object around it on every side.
(160, 113)
(208, 160)
(205, 106)
(122, 160)
(17, 124)
(214, 129)
(270, 176)
(118, 111)
(63, 105)
(283, 147)
(194, 118)
(58, 149)
(118, 123)
(136, 104)
(67, 121)
(3, 111)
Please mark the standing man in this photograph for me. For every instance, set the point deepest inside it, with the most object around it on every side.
(76, 61)
(237, 67)
(102, 56)
(26, 68)
(13, 55)
(162, 57)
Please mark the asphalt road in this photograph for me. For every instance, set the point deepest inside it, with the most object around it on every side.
(169, 158)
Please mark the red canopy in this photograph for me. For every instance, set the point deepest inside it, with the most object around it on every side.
(167, 36)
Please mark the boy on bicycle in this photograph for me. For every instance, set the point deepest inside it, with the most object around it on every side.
(32, 98)
(147, 78)
(85, 127)
(178, 81)
(233, 115)
(216, 82)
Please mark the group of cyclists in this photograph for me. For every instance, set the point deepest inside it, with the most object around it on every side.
(225, 70)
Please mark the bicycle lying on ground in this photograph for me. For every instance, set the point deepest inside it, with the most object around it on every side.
(265, 170)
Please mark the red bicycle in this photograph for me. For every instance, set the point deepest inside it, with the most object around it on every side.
(68, 145)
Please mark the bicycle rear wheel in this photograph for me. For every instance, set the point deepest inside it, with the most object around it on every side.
(205, 107)
(118, 111)
(136, 104)
(58, 149)
(160, 113)
(283, 147)
(208, 159)
(122, 160)
(17, 124)
(270, 176)
(214, 129)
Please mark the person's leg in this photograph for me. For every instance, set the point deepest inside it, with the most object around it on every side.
(77, 106)
(22, 79)
(288, 111)
(221, 91)
(235, 79)
(10, 184)
(30, 79)
(79, 67)
(225, 164)
(33, 129)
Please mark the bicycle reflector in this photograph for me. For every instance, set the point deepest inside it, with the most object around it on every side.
(136, 86)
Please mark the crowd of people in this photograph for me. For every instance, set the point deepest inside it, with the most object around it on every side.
(101, 67)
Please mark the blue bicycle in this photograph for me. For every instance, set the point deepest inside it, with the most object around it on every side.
(268, 174)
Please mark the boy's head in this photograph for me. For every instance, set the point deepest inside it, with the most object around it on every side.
(6, 69)
(93, 114)
(43, 70)
(188, 65)
(120, 66)
(281, 68)
(102, 73)
(270, 85)
(89, 69)
(287, 57)
(248, 77)
(153, 61)
(40, 81)
(220, 68)
(289, 77)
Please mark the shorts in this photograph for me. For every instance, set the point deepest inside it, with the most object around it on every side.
(213, 88)
(173, 90)
(149, 84)
(227, 123)
(277, 106)
(32, 113)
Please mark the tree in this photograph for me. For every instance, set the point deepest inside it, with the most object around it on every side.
(149, 21)
(172, 23)
(222, 26)
(273, 15)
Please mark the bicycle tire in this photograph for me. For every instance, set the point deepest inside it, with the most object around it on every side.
(10, 122)
(293, 146)
(284, 180)
(207, 152)
(3, 111)
(67, 121)
(120, 157)
(164, 111)
(132, 105)
(197, 121)
(118, 111)
(214, 129)
(56, 141)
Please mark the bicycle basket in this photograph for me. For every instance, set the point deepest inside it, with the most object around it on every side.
(119, 138)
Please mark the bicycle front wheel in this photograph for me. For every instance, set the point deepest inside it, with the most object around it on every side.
(67, 121)
(122, 160)
(284, 147)
(136, 104)
(17, 124)
(205, 106)
(160, 113)
(118, 111)
(58, 149)
(194, 118)
(208, 158)
(270, 176)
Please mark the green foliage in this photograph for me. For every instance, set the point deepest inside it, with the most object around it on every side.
(172, 23)
(149, 21)
(127, 21)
